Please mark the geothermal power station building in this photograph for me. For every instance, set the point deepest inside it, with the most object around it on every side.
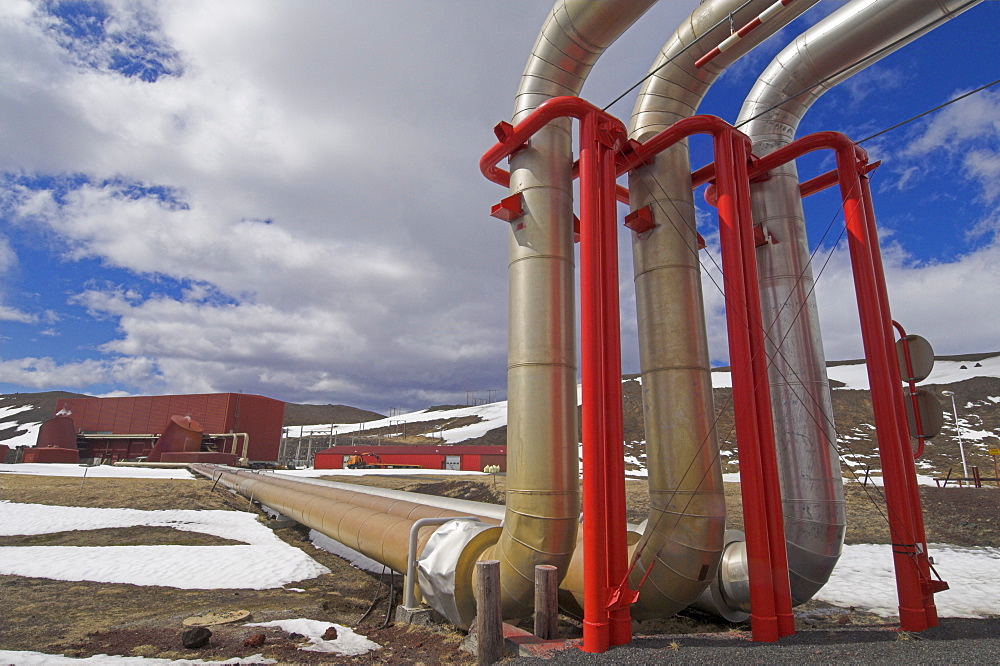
(208, 427)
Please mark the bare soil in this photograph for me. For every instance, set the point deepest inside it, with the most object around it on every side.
(83, 619)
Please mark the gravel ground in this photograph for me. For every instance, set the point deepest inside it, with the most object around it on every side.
(955, 641)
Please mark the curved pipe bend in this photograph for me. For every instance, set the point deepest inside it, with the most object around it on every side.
(683, 541)
(820, 58)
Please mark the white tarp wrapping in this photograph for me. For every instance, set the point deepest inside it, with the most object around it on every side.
(437, 563)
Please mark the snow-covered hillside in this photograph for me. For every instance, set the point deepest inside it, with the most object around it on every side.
(975, 380)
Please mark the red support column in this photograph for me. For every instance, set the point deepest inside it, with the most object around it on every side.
(762, 396)
(596, 632)
(919, 538)
(763, 616)
(619, 614)
(605, 551)
(874, 328)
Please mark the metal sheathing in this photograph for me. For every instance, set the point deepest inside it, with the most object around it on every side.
(543, 496)
(811, 481)
(683, 539)
(374, 526)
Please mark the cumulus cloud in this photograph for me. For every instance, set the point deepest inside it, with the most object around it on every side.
(277, 199)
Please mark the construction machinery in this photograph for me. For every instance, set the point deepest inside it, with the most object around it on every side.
(373, 461)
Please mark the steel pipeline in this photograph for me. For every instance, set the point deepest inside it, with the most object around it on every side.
(853, 37)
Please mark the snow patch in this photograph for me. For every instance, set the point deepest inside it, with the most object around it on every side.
(97, 472)
(264, 561)
(864, 579)
(347, 642)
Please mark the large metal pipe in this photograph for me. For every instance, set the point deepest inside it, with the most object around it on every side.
(683, 539)
(543, 497)
(465, 507)
(377, 527)
(855, 36)
(682, 542)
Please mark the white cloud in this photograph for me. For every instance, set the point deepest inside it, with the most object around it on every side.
(45, 373)
(15, 315)
(984, 167)
(298, 196)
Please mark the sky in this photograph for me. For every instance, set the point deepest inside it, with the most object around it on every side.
(284, 198)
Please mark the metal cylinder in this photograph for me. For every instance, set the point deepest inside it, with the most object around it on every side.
(58, 432)
(543, 497)
(182, 433)
(809, 468)
(683, 539)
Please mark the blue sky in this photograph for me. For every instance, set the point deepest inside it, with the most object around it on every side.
(283, 198)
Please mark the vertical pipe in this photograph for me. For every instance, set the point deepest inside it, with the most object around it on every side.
(911, 603)
(596, 630)
(543, 457)
(761, 396)
(684, 534)
(763, 613)
(856, 35)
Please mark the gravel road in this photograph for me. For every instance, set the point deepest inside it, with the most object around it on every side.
(955, 641)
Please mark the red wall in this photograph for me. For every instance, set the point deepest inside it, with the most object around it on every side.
(256, 415)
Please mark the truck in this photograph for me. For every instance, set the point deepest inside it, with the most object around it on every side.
(372, 461)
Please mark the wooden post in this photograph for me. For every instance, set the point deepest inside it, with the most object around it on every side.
(489, 623)
(546, 602)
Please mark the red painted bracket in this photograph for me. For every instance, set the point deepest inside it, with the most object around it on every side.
(640, 221)
(626, 154)
(622, 597)
(503, 130)
(509, 209)
(934, 586)
(761, 237)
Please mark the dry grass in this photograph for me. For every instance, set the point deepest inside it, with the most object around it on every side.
(82, 618)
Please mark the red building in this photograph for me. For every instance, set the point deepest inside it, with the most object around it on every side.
(130, 426)
(457, 457)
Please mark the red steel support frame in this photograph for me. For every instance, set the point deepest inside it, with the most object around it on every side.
(606, 597)
(606, 594)
(914, 585)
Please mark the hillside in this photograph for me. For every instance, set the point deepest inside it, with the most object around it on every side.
(22, 413)
(298, 415)
(974, 378)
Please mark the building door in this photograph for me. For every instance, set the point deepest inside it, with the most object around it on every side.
(453, 462)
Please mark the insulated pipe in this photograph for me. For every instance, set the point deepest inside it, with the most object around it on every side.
(683, 539)
(410, 587)
(543, 496)
(411, 510)
(465, 507)
(811, 481)
(379, 530)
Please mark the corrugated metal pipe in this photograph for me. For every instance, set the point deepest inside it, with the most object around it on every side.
(811, 481)
(543, 496)
(683, 538)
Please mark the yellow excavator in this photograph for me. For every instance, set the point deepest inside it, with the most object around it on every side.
(362, 461)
